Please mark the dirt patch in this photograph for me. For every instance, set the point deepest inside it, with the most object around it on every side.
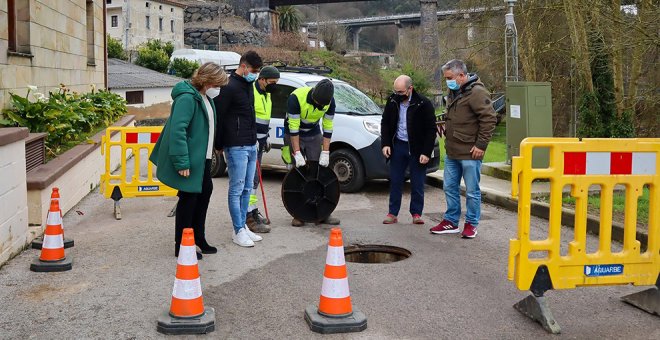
(48, 292)
(161, 110)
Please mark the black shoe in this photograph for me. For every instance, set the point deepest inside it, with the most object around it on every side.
(207, 248)
(259, 217)
(199, 256)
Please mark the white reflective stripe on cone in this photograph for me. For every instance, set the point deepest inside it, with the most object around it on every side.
(53, 242)
(54, 218)
(187, 289)
(335, 288)
(187, 256)
(335, 256)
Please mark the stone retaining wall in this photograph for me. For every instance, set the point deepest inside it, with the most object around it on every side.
(200, 37)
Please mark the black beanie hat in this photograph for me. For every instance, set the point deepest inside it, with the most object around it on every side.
(323, 92)
(269, 72)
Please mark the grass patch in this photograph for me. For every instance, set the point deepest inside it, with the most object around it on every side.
(496, 151)
(618, 205)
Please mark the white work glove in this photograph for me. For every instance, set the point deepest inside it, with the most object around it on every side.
(325, 158)
(300, 160)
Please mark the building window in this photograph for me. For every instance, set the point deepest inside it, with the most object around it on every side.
(91, 47)
(148, 22)
(172, 10)
(108, 2)
(172, 26)
(134, 97)
(160, 7)
(160, 24)
(114, 21)
(18, 26)
(147, 5)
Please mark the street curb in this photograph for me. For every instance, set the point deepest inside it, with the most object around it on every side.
(542, 210)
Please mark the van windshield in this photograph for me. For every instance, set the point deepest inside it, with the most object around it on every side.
(350, 100)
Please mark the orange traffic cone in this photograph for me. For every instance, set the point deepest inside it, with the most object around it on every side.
(187, 314)
(335, 313)
(68, 243)
(52, 257)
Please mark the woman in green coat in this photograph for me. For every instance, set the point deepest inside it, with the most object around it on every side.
(184, 149)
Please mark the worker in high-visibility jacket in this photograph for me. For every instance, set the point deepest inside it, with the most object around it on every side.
(263, 87)
(309, 109)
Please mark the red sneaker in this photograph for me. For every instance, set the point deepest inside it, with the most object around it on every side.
(390, 219)
(469, 231)
(445, 227)
(417, 219)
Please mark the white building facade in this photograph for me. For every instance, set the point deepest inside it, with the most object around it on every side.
(134, 22)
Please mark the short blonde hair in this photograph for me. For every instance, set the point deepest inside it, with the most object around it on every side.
(209, 74)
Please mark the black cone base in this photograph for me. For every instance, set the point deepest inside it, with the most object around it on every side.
(55, 266)
(357, 322)
(202, 324)
(37, 242)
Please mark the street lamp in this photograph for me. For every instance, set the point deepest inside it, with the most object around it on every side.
(510, 44)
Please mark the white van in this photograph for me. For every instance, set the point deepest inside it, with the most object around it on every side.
(229, 60)
(355, 148)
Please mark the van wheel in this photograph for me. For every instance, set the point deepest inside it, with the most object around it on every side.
(218, 165)
(348, 167)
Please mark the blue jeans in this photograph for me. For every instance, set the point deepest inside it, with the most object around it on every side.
(241, 165)
(470, 171)
(400, 160)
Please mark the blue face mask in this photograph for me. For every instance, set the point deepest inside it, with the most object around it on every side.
(251, 77)
(453, 85)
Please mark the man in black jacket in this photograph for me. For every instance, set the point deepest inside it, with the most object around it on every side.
(236, 136)
(407, 136)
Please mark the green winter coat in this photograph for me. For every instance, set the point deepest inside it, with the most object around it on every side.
(183, 142)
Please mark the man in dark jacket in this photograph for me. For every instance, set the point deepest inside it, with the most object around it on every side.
(407, 135)
(237, 136)
(469, 126)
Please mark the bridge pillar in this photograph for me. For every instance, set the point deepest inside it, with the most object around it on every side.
(263, 17)
(401, 30)
(430, 44)
(355, 34)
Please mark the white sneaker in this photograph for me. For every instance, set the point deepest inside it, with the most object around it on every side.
(254, 237)
(242, 238)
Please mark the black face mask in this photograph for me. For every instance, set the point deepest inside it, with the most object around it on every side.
(399, 97)
(270, 88)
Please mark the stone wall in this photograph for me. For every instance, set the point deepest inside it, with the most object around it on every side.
(207, 13)
(205, 38)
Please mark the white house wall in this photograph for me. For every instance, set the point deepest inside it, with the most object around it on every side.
(151, 96)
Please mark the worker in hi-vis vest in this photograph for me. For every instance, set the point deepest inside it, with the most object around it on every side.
(306, 108)
(263, 106)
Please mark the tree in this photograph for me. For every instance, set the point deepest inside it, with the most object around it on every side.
(115, 49)
(289, 19)
(183, 68)
(334, 37)
(155, 55)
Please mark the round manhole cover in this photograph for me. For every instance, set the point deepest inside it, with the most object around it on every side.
(374, 253)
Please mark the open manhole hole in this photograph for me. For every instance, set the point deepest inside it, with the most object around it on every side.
(374, 253)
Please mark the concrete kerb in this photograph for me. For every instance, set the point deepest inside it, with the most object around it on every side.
(542, 210)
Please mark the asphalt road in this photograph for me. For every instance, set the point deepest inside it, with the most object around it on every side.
(449, 288)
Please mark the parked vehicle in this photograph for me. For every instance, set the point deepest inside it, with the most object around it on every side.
(355, 150)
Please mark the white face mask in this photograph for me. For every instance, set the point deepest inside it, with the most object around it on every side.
(213, 92)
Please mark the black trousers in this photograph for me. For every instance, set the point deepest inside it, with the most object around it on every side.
(191, 209)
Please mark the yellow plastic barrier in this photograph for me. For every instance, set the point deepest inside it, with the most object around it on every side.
(132, 141)
(580, 164)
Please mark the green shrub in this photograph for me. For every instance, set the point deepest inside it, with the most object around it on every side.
(115, 49)
(183, 68)
(156, 60)
(68, 118)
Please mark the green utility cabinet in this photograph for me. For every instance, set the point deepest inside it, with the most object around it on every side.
(528, 114)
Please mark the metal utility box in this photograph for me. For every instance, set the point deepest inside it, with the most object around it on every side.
(528, 114)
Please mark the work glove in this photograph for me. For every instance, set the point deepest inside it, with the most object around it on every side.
(300, 160)
(325, 158)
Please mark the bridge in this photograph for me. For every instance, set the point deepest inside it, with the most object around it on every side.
(402, 21)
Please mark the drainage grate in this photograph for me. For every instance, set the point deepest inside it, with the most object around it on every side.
(374, 253)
